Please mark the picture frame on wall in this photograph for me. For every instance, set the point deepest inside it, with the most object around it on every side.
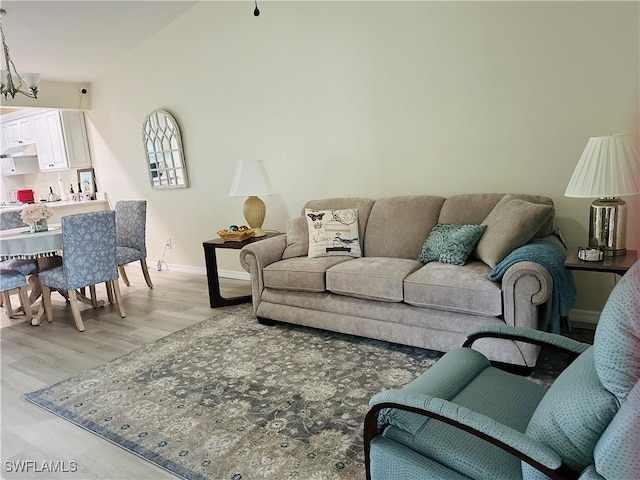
(87, 180)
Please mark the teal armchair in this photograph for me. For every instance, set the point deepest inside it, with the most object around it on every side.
(464, 418)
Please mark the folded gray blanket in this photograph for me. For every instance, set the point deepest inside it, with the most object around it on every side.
(551, 256)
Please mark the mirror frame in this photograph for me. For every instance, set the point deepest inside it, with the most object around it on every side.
(164, 155)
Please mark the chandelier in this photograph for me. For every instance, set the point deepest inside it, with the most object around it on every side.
(9, 74)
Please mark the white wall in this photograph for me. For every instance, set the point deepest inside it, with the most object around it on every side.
(371, 99)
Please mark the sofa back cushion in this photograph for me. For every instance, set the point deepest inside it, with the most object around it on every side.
(473, 208)
(398, 226)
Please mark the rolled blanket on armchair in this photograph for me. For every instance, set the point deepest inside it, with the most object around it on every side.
(551, 256)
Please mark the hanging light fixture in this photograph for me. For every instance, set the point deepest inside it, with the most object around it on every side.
(9, 74)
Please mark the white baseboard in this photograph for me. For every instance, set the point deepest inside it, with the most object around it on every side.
(584, 318)
(200, 271)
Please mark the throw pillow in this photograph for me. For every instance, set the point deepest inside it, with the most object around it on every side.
(449, 243)
(333, 232)
(511, 224)
(297, 238)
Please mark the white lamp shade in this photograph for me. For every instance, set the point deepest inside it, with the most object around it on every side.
(250, 179)
(608, 167)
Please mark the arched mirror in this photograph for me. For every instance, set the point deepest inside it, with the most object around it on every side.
(163, 148)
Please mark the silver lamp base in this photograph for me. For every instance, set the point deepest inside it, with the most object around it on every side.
(608, 226)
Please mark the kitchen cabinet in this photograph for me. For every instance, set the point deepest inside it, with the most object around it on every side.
(76, 142)
(52, 154)
(20, 132)
(60, 137)
(18, 166)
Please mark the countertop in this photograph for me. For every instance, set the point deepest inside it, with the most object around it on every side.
(54, 205)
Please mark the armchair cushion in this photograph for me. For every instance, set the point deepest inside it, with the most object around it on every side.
(573, 414)
(617, 339)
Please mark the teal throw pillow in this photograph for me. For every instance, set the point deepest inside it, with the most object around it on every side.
(449, 243)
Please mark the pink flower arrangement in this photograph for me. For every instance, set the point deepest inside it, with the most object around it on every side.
(35, 212)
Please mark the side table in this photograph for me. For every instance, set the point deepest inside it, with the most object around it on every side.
(215, 298)
(619, 264)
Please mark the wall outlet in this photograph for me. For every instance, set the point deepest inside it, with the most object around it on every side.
(167, 243)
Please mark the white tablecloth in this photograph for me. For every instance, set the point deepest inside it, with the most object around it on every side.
(20, 243)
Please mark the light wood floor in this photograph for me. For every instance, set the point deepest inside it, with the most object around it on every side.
(34, 357)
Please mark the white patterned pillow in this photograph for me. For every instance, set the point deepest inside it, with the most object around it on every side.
(333, 232)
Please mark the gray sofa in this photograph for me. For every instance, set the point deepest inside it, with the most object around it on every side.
(387, 294)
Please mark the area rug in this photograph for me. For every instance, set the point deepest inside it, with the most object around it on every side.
(229, 398)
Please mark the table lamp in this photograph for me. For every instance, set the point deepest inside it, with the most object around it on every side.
(607, 169)
(251, 180)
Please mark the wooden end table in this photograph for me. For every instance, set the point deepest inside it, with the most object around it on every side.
(618, 265)
(216, 300)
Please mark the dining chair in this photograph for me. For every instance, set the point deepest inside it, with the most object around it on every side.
(88, 258)
(131, 221)
(10, 219)
(12, 280)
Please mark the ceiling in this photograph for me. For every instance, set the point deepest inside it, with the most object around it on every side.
(76, 41)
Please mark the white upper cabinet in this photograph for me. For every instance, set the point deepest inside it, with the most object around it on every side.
(52, 153)
(60, 137)
(20, 132)
(75, 135)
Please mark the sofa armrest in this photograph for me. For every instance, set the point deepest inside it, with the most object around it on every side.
(256, 256)
(517, 443)
(525, 285)
(537, 337)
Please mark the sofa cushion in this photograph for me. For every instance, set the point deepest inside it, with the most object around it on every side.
(297, 238)
(448, 243)
(398, 226)
(373, 278)
(300, 273)
(511, 224)
(474, 208)
(333, 232)
(455, 288)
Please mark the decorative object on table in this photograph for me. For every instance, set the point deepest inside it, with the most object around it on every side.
(251, 180)
(36, 216)
(590, 254)
(131, 246)
(9, 73)
(163, 150)
(52, 197)
(86, 184)
(236, 234)
(607, 169)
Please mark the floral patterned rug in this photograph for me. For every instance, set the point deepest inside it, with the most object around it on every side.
(229, 398)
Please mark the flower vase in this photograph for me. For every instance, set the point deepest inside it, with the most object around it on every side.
(39, 226)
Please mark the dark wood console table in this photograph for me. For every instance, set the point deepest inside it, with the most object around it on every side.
(215, 298)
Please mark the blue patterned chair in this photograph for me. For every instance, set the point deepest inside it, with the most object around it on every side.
(11, 280)
(463, 418)
(11, 219)
(88, 258)
(131, 223)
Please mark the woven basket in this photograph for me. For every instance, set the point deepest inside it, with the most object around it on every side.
(237, 236)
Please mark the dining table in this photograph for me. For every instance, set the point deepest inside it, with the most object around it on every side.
(46, 248)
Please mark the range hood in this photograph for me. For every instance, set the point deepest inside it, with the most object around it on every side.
(26, 150)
